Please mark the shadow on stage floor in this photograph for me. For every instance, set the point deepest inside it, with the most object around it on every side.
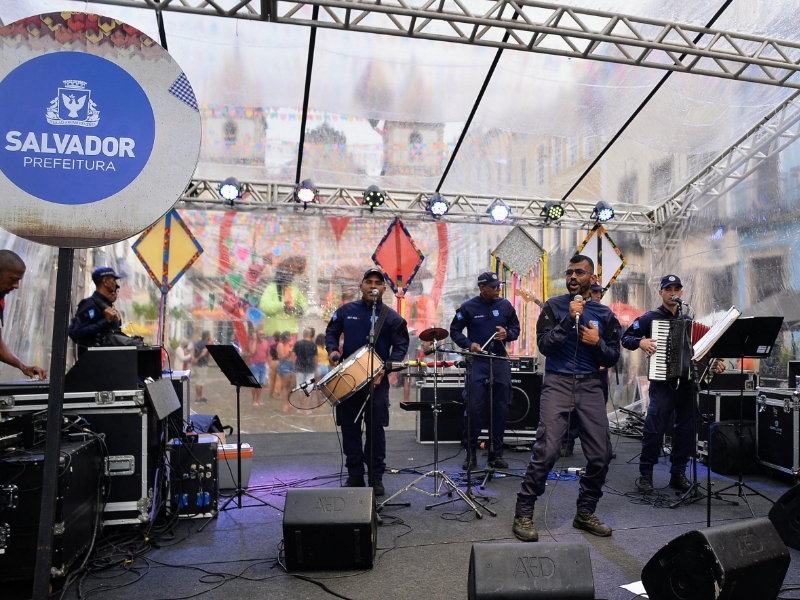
(421, 553)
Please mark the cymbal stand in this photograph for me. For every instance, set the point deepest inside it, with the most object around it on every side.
(442, 484)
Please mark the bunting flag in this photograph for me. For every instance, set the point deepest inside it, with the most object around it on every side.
(398, 257)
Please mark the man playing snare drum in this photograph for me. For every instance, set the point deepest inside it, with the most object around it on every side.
(391, 345)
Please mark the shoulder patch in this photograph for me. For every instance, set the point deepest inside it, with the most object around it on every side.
(91, 313)
(335, 316)
(636, 324)
(459, 316)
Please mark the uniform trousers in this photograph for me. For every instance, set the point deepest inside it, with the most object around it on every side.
(588, 411)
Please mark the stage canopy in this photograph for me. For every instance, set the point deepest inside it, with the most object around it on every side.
(681, 115)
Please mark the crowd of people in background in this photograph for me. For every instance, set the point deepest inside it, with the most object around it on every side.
(279, 362)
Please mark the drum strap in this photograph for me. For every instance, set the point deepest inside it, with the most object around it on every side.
(381, 320)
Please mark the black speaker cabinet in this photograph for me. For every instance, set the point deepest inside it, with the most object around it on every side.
(545, 571)
(785, 516)
(523, 414)
(738, 561)
(329, 528)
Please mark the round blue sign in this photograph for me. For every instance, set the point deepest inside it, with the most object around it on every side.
(82, 128)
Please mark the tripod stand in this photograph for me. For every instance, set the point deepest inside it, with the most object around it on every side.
(440, 479)
(696, 491)
(748, 337)
(490, 471)
(238, 374)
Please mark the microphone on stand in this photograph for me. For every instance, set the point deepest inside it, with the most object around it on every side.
(680, 301)
(577, 298)
(304, 385)
(374, 293)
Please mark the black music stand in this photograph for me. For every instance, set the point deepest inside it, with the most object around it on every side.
(238, 374)
(747, 337)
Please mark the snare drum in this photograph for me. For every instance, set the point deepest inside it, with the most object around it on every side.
(346, 379)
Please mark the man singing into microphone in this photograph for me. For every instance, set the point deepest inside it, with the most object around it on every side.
(484, 316)
(666, 397)
(577, 337)
(391, 344)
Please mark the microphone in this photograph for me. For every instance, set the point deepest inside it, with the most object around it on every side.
(374, 293)
(304, 385)
(577, 298)
(679, 301)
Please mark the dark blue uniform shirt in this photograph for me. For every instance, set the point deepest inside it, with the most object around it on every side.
(556, 337)
(89, 326)
(643, 328)
(481, 319)
(353, 319)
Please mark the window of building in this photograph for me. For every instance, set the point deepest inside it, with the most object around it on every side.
(572, 151)
(558, 157)
(629, 189)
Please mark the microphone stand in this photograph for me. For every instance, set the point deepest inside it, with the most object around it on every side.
(490, 471)
(368, 403)
(696, 491)
(472, 500)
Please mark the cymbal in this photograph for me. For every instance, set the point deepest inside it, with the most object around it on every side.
(434, 333)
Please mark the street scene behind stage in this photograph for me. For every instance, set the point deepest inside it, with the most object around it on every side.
(529, 227)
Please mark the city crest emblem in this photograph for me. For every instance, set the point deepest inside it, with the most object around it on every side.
(73, 106)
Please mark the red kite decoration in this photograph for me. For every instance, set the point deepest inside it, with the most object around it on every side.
(397, 255)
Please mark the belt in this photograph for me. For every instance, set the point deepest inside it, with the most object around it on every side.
(595, 375)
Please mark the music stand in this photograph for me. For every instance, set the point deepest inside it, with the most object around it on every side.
(747, 337)
(238, 374)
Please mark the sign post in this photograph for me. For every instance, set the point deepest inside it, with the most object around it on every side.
(98, 139)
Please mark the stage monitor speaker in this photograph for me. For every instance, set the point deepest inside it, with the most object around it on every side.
(523, 414)
(545, 571)
(163, 397)
(738, 561)
(329, 528)
(785, 516)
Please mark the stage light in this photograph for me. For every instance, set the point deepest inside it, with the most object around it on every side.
(603, 212)
(374, 196)
(499, 211)
(552, 211)
(305, 193)
(438, 205)
(230, 190)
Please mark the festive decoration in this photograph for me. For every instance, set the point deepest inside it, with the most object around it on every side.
(604, 253)
(522, 263)
(169, 248)
(170, 243)
(338, 225)
(398, 256)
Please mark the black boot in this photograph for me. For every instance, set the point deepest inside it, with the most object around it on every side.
(471, 461)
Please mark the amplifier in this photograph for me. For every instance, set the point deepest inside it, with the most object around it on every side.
(523, 364)
(523, 414)
(76, 509)
(193, 479)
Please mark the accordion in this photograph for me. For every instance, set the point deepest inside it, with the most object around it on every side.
(668, 360)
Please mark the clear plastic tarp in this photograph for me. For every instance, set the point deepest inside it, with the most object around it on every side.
(390, 111)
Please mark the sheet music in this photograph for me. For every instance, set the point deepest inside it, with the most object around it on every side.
(705, 343)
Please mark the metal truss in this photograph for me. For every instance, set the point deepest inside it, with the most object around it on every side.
(258, 197)
(533, 26)
(775, 132)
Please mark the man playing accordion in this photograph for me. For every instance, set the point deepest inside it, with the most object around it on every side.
(671, 393)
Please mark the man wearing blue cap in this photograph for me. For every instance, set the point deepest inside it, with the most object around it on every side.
(353, 320)
(666, 397)
(96, 318)
(484, 316)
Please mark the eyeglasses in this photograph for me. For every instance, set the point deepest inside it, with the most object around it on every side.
(578, 272)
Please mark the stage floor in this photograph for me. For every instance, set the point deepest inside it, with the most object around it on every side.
(421, 553)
